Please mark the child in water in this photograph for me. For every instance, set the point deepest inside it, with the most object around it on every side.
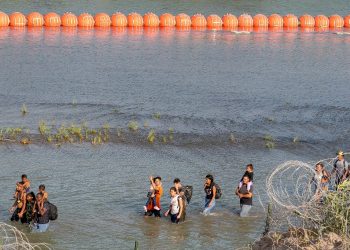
(43, 192)
(25, 183)
(250, 173)
(151, 198)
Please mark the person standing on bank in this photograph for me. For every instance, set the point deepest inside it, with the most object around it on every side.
(245, 194)
(340, 168)
(210, 193)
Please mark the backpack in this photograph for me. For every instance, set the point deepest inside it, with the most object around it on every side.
(53, 214)
(218, 191)
(188, 190)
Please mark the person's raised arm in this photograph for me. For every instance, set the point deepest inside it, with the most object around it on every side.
(152, 181)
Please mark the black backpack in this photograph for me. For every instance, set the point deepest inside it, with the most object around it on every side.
(188, 190)
(53, 214)
(218, 191)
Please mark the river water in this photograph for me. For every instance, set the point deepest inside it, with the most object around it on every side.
(206, 85)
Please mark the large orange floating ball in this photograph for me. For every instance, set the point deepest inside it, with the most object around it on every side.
(35, 19)
(86, 20)
(183, 20)
(336, 21)
(321, 21)
(4, 19)
(229, 21)
(290, 21)
(167, 20)
(198, 20)
(52, 20)
(135, 20)
(260, 20)
(214, 21)
(245, 20)
(119, 20)
(151, 20)
(69, 20)
(275, 20)
(102, 20)
(17, 19)
(307, 21)
(347, 21)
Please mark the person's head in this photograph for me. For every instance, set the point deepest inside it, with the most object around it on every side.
(319, 167)
(39, 197)
(172, 192)
(177, 183)
(19, 187)
(250, 168)
(209, 179)
(42, 188)
(157, 180)
(340, 155)
(246, 179)
(24, 177)
(30, 197)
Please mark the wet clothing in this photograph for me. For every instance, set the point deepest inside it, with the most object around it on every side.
(44, 218)
(244, 190)
(339, 167)
(245, 210)
(207, 209)
(40, 228)
(175, 204)
(151, 212)
(209, 191)
(29, 212)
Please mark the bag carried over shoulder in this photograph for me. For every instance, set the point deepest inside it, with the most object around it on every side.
(188, 190)
(53, 214)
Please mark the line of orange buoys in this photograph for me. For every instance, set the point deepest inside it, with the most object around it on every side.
(118, 19)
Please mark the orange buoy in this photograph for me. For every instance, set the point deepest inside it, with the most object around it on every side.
(4, 19)
(229, 21)
(167, 20)
(119, 20)
(52, 20)
(307, 21)
(35, 19)
(214, 21)
(183, 20)
(150, 20)
(102, 20)
(260, 20)
(135, 20)
(321, 21)
(17, 19)
(347, 21)
(69, 20)
(336, 21)
(86, 20)
(245, 20)
(198, 20)
(290, 21)
(275, 20)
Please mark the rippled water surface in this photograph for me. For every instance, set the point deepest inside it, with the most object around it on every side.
(206, 85)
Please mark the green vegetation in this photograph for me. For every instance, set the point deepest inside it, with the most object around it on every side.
(156, 116)
(24, 109)
(151, 136)
(269, 142)
(133, 126)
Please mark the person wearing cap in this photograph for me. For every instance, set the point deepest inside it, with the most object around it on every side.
(340, 168)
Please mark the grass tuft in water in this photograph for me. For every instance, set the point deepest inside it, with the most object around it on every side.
(133, 126)
(269, 141)
(151, 136)
(24, 109)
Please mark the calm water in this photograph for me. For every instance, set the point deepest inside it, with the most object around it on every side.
(205, 84)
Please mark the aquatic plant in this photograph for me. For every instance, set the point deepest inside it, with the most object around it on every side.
(233, 138)
(133, 126)
(24, 109)
(295, 139)
(156, 116)
(269, 141)
(151, 136)
(43, 129)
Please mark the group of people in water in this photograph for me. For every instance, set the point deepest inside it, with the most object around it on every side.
(31, 209)
(180, 196)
